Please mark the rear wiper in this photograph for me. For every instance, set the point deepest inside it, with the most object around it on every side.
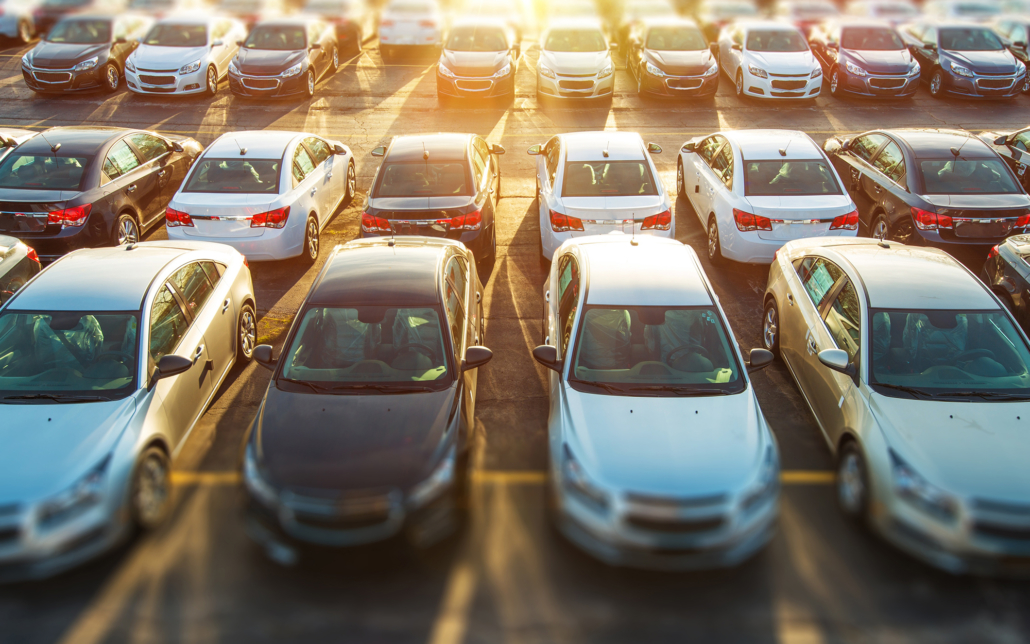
(58, 397)
(997, 395)
(682, 389)
(908, 390)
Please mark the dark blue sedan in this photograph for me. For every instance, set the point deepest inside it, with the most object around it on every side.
(865, 58)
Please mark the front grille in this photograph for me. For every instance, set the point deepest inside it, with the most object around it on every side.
(473, 85)
(577, 75)
(788, 94)
(348, 511)
(674, 503)
(887, 83)
(789, 85)
(53, 77)
(260, 83)
(569, 84)
(157, 80)
(1012, 533)
(9, 534)
(677, 525)
(1002, 507)
(323, 522)
(163, 90)
(994, 83)
(684, 83)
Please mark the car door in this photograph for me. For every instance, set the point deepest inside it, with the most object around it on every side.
(887, 184)
(455, 287)
(213, 311)
(854, 167)
(125, 182)
(330, 184)
(484, 170)
(308, 180)
(158, 164)
(220, 45)
(696, 187)
(548, 180)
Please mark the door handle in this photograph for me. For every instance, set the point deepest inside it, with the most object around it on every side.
(877, 188)
(329, 176)
(198, 353)
(492, 191)
(225, 304)
(697, 189)
(131, 188)
(313, 191)
(162, 173)
(813, 348)
(790, 299)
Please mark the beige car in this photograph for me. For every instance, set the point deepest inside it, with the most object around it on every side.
(918, 378)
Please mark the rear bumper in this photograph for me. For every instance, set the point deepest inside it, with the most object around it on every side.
(749, 247)
(551, 240)
(52, 248)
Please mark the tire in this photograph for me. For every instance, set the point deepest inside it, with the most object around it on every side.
(352, 184)
(852, 483)
(1026, 84)
(937, 81)
(336, 60)
(126, 231)
(714, 245)
(150, 497)
(880, 228)
(246, 334)
(739, 84)
(311, 241)
(835, 88)
(640, 83)
(212, 82)
(309, 86)
(681, 185)
(771, 327)
(111, 78)
(903, 233)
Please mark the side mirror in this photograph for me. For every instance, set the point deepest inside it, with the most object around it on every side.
(845, 145)
(654, 148)
(535, 150)
(379, 151)
(1019, 45)
(169, 366)
(496, 149)
(759, 359)
(178, 146)
(548, 356)
(736, 47)
(689, 146)
(475, 357)
(120, 40)
(838, 360)
(218, 43)
(263, 356)
(1001, 140)
(339, 149)
(315, 46)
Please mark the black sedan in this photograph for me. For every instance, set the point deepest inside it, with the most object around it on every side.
(18, 264)
(83, 52)
(364, 431)
(1014, 147)
(864, 58)
(944, 188)
(284, 57)
(1007, 273)
(1013, 33)
(670, 57)
(437, 185)
(70, 188)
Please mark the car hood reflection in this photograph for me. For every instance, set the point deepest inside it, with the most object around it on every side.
(64, 55)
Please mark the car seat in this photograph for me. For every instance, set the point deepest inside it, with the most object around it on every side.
(607, 340)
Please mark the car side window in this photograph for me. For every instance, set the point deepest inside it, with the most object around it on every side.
(120, 160)
(1022, 141)
(708, 148)
(193, 285)
(220, 30)
(891, 162)
(149, 146)
(302, 165)
(168, 324)
(929, 36)
(722, 165)
(478, 166)
(568, 299)
(482, 151)
(214, 271)
(818, 277)
(553, 152)
(864, 147)
(318, 148)
(121, 30)
(844, 319)
(455, 287)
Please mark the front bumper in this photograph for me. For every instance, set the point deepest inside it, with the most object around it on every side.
(879, 85)
(267, 86)
(564, 86)
(62, 80)
(981, 86)
(475, 87)
(781, 87)
(680, 86)
(166, 82)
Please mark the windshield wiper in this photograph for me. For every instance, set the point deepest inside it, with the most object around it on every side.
(909, 390)
(382, 388)
(682, 389)
(58, 397)
(612, 389)
(997, 395)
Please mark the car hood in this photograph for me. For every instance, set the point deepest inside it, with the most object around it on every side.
(675, 446)
(881, 62)
(267, 61)
(979, 202)
(783, 62)
(681, 63)
(972, 449)
(590, 62)
(474, 63)
(64, 55)
(999, 62)
(352, 442)
(150, 57)
(46, 448)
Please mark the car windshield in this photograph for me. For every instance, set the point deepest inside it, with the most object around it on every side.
(785, 178)
(871, 39)
(970, 39)
(575, 40)
(367, 344)
(423, 179)
(252, 176)
(781, 40)
(955, 176)
(477, 39)
(608, 179)
(81, 32)
(814, 10)
(654, 350)
(977, 10)
(277, 38)
(172, 35)
(31, 172)
(730, 9)
(949, 351)
(676, 39)
(67, 353)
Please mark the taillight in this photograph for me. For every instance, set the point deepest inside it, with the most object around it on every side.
(386, 23)
(746, 221)
(271, 219)
(426, 23)
(564, 223)
(373, 224)
(31, 253)
(1023, 221)
(245, 262)
(661, 221)
(70, 216)
(991, 254)
(471, 221)
(926, 220)
(175, 218)
(845, 222)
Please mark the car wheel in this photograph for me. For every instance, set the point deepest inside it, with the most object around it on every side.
(212, 81)
(311, 241)
(126, 231)
(937, 84)
(740, 84)
(336, 59)
(309, 86)
(112, 79)
(352, 183)
(835, 89)
(151, 493)
(681, 185)
(852, 482)
(640, 83)
(714, 245)
(246, 334)
(881, 229)
(24, 32)
(771, 328)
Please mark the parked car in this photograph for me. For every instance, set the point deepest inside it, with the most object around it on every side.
(82, 187)
(266, 193)
(48, 12)
(895, 12)
(17, 20)
(962, 10)
(582, 9)
(83, 52)
(1012, 30)
(658, 453)
(18, 265)
(437, 185)
(184, 55)
(754, 190)
(634, 13)
(944, 188)
(804, 14)
(670, 57)
(112, 356)
(355, 21)
(965, 60)
(592, 183)
(479, 60)
(713, 15)
(511, 12)
(916, 376)
(865, 58)
(1012, 147)
(408, 342)
(409, 24)
(11, 138)
(575, 61)
(252, 12)
(284, 57)
(1007, 273)
(769, 60)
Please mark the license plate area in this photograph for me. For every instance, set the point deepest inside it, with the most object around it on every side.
(23, 222)
(973, 229)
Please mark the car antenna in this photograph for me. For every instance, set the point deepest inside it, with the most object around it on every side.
(957, 151)
(53, 148)
(633, 231)
(243, 150)
(783, 150)
(425, 153)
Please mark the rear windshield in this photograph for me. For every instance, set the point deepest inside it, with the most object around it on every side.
(477, 39)
(420, 179)
(982, 176)
(81, 32)
(676, 39)
(233, 175)
(776, 40)
(29, 172)
(575, 40)
(969, 39)
(782, 178)
(608, 179)
(277, 38)
(871, 39)
(171, 35)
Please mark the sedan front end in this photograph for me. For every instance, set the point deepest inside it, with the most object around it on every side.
(781, 84)
(862, 80)
(475, 83)
(561, 83)
(702, 82)
(964, 79)
(83, 75)
(290, 81)
(190, 78)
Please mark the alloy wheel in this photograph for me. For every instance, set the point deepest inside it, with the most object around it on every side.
(713, 240)
(1026, 83)
(128, 233)
(352, 182)
(311, 83)
(880, 229)
(151, 490)
(740, 84)
(851, 484)
(248, 332)
(336, 58)
(312, 239)
(834, 82)
(770, 327)
(212, 80)
(111, 77)
(936, 84)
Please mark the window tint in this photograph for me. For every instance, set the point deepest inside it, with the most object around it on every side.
(194, 285)
(844, 320)
(722, 165)
(553, 152)
(568, 289)
(421, 179)
(575, 40)
(47, 172)
(891, 162)
(176, 35)
(252, 176)
(818, 277)
(708, 148)
(214, 271)
(676, 39)
(956, 176)
(148, 145)
(302, 165)
(220, 29)
(608, 179)
(478, 165)
(167, 324)
(319, 148)
(455, 284)
(120, 160)
(276, 37)
(779, 40)
(864, 147)
(970, 39)
(80, 32)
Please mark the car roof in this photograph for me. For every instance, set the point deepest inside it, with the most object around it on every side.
(641, 271)
(927, 143)
(73, 140)
(441, 147)
(372, 271)
(590, 146)
(259, 144)
(757, 145)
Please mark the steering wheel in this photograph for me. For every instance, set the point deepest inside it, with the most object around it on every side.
(121, 356)
(420, 348)
(973, 354)
(693, 348)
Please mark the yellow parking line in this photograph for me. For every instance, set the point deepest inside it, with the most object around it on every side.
(205, 479)
(808, 477)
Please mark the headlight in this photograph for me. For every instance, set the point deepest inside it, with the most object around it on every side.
(961, 71)
(190, 68)
(768, 482)
(445, 71)
(915, 69)
(441, 479)
(817, 72)
(713, 70)
(606, 72)
(1020, 68)
(254, 480)
(26, 61)
(654, 71)
(546, 72)
(129, 66)
(233, 69)
(293, 71)
(854, 69)
(913, 488)
(757, 71)
(84, 494)
(502, 72)
(576, 482)
(87, 64)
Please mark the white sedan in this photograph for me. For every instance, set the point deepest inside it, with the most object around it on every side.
(184, 55)
(769, 60)
(755, 190)
(592, 183)
(660, 456)
(575, 61)
(240, 192)
(410, 23)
